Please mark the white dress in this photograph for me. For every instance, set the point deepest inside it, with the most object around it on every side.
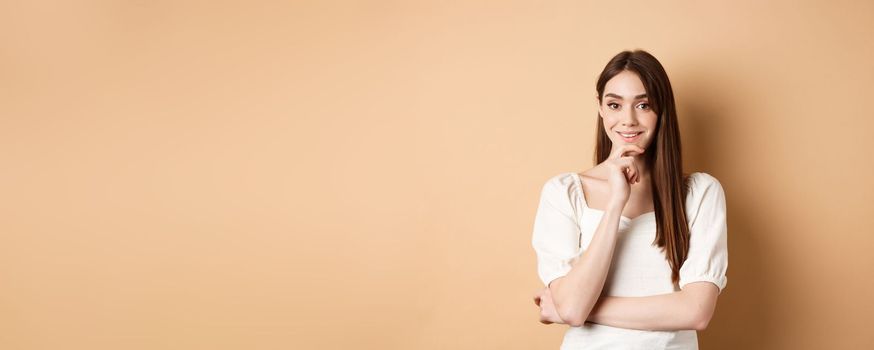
(563, 229)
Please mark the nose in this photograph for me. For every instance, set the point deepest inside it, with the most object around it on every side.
(629, 118)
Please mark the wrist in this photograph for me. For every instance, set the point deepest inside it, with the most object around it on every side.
(615, 205)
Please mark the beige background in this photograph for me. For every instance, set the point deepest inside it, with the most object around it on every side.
(364, 174)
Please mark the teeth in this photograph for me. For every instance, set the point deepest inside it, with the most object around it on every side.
(629, 135)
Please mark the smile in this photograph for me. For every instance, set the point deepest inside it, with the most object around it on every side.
(630, 137)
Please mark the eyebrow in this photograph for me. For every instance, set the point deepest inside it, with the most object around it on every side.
(620, 97)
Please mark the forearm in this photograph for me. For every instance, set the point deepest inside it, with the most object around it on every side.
(684, 310)
(576, 293)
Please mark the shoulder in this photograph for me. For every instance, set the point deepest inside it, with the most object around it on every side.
(701, 183)
(564, 179)
(705, 195)
(560, 186)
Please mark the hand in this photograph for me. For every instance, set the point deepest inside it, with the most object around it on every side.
(622, 172)
(548, 313)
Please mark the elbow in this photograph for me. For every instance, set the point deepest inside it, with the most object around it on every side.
(701, 320)
(702, 307)
(700, 325)
(572, 318)
(572, 311)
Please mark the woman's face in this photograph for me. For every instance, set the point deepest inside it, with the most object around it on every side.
(627, 114)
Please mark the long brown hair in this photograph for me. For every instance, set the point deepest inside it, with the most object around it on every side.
(663, 156)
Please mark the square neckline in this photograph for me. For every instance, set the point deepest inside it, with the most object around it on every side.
(579, 183)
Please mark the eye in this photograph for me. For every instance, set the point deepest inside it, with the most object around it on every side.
(644, 104)
(610, 104)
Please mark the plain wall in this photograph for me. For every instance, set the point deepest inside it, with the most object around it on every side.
(365, 174)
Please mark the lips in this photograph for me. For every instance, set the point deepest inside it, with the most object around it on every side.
(630, 136)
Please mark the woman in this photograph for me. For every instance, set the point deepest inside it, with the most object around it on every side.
(632, 252)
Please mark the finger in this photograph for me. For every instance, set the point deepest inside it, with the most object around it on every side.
(626, 170)
(618, 152)
(632, 174)
(629, 169)
(634, 148)
(625, 150)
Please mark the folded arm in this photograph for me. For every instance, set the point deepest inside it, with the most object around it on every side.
(691, 308)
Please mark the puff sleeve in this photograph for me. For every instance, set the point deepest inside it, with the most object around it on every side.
(707, 259)
(556, 237)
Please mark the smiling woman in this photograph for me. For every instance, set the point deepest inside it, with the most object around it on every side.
(618, 276)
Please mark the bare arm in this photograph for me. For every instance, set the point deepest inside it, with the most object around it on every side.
(575, 294)
(691, 308)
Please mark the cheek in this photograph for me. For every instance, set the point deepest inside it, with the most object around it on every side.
(610, 120)
(608, 126)
(650, 121)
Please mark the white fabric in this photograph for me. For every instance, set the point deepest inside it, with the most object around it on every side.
(564, 226)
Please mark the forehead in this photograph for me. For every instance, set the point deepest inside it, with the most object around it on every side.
(626, 84)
